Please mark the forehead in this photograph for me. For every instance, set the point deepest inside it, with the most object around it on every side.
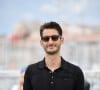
(49, 32)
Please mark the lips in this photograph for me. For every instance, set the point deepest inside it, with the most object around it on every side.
(51, 46)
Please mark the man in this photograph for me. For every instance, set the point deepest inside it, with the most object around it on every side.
(53, 72)
(19, 85)
(20, 82)
(21, 79)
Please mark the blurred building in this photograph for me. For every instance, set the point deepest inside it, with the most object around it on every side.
(21, 47)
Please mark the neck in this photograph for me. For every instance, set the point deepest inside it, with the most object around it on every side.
(53, 61)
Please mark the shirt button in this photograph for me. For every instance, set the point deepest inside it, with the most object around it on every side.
(50, 72)
(52, 82)
(52, 77)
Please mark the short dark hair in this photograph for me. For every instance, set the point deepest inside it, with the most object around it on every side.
(52, 25)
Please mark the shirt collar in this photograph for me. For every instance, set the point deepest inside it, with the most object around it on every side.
(42, 65)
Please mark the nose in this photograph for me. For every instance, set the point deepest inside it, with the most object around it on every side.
(50, 40)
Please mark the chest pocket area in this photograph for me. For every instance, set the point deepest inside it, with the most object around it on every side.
(39, 82)
(64, 83)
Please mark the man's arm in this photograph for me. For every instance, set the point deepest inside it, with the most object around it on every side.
(27, 80)
(79, 84)
(20, 82)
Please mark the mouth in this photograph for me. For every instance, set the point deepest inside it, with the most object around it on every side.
(51, 46)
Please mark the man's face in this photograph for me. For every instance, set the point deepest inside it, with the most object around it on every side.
(51, 41)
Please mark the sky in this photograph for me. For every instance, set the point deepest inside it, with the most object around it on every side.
(70, 11)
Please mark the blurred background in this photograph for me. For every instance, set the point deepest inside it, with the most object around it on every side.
(20, 21)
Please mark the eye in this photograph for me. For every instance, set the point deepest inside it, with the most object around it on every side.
(55, 37)
(46, 38)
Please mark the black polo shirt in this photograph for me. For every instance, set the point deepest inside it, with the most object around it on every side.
(67, 77)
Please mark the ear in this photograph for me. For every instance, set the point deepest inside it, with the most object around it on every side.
(62, 40)
(41, 42)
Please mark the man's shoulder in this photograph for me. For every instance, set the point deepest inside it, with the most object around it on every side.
(35, 65)
(71, 66)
